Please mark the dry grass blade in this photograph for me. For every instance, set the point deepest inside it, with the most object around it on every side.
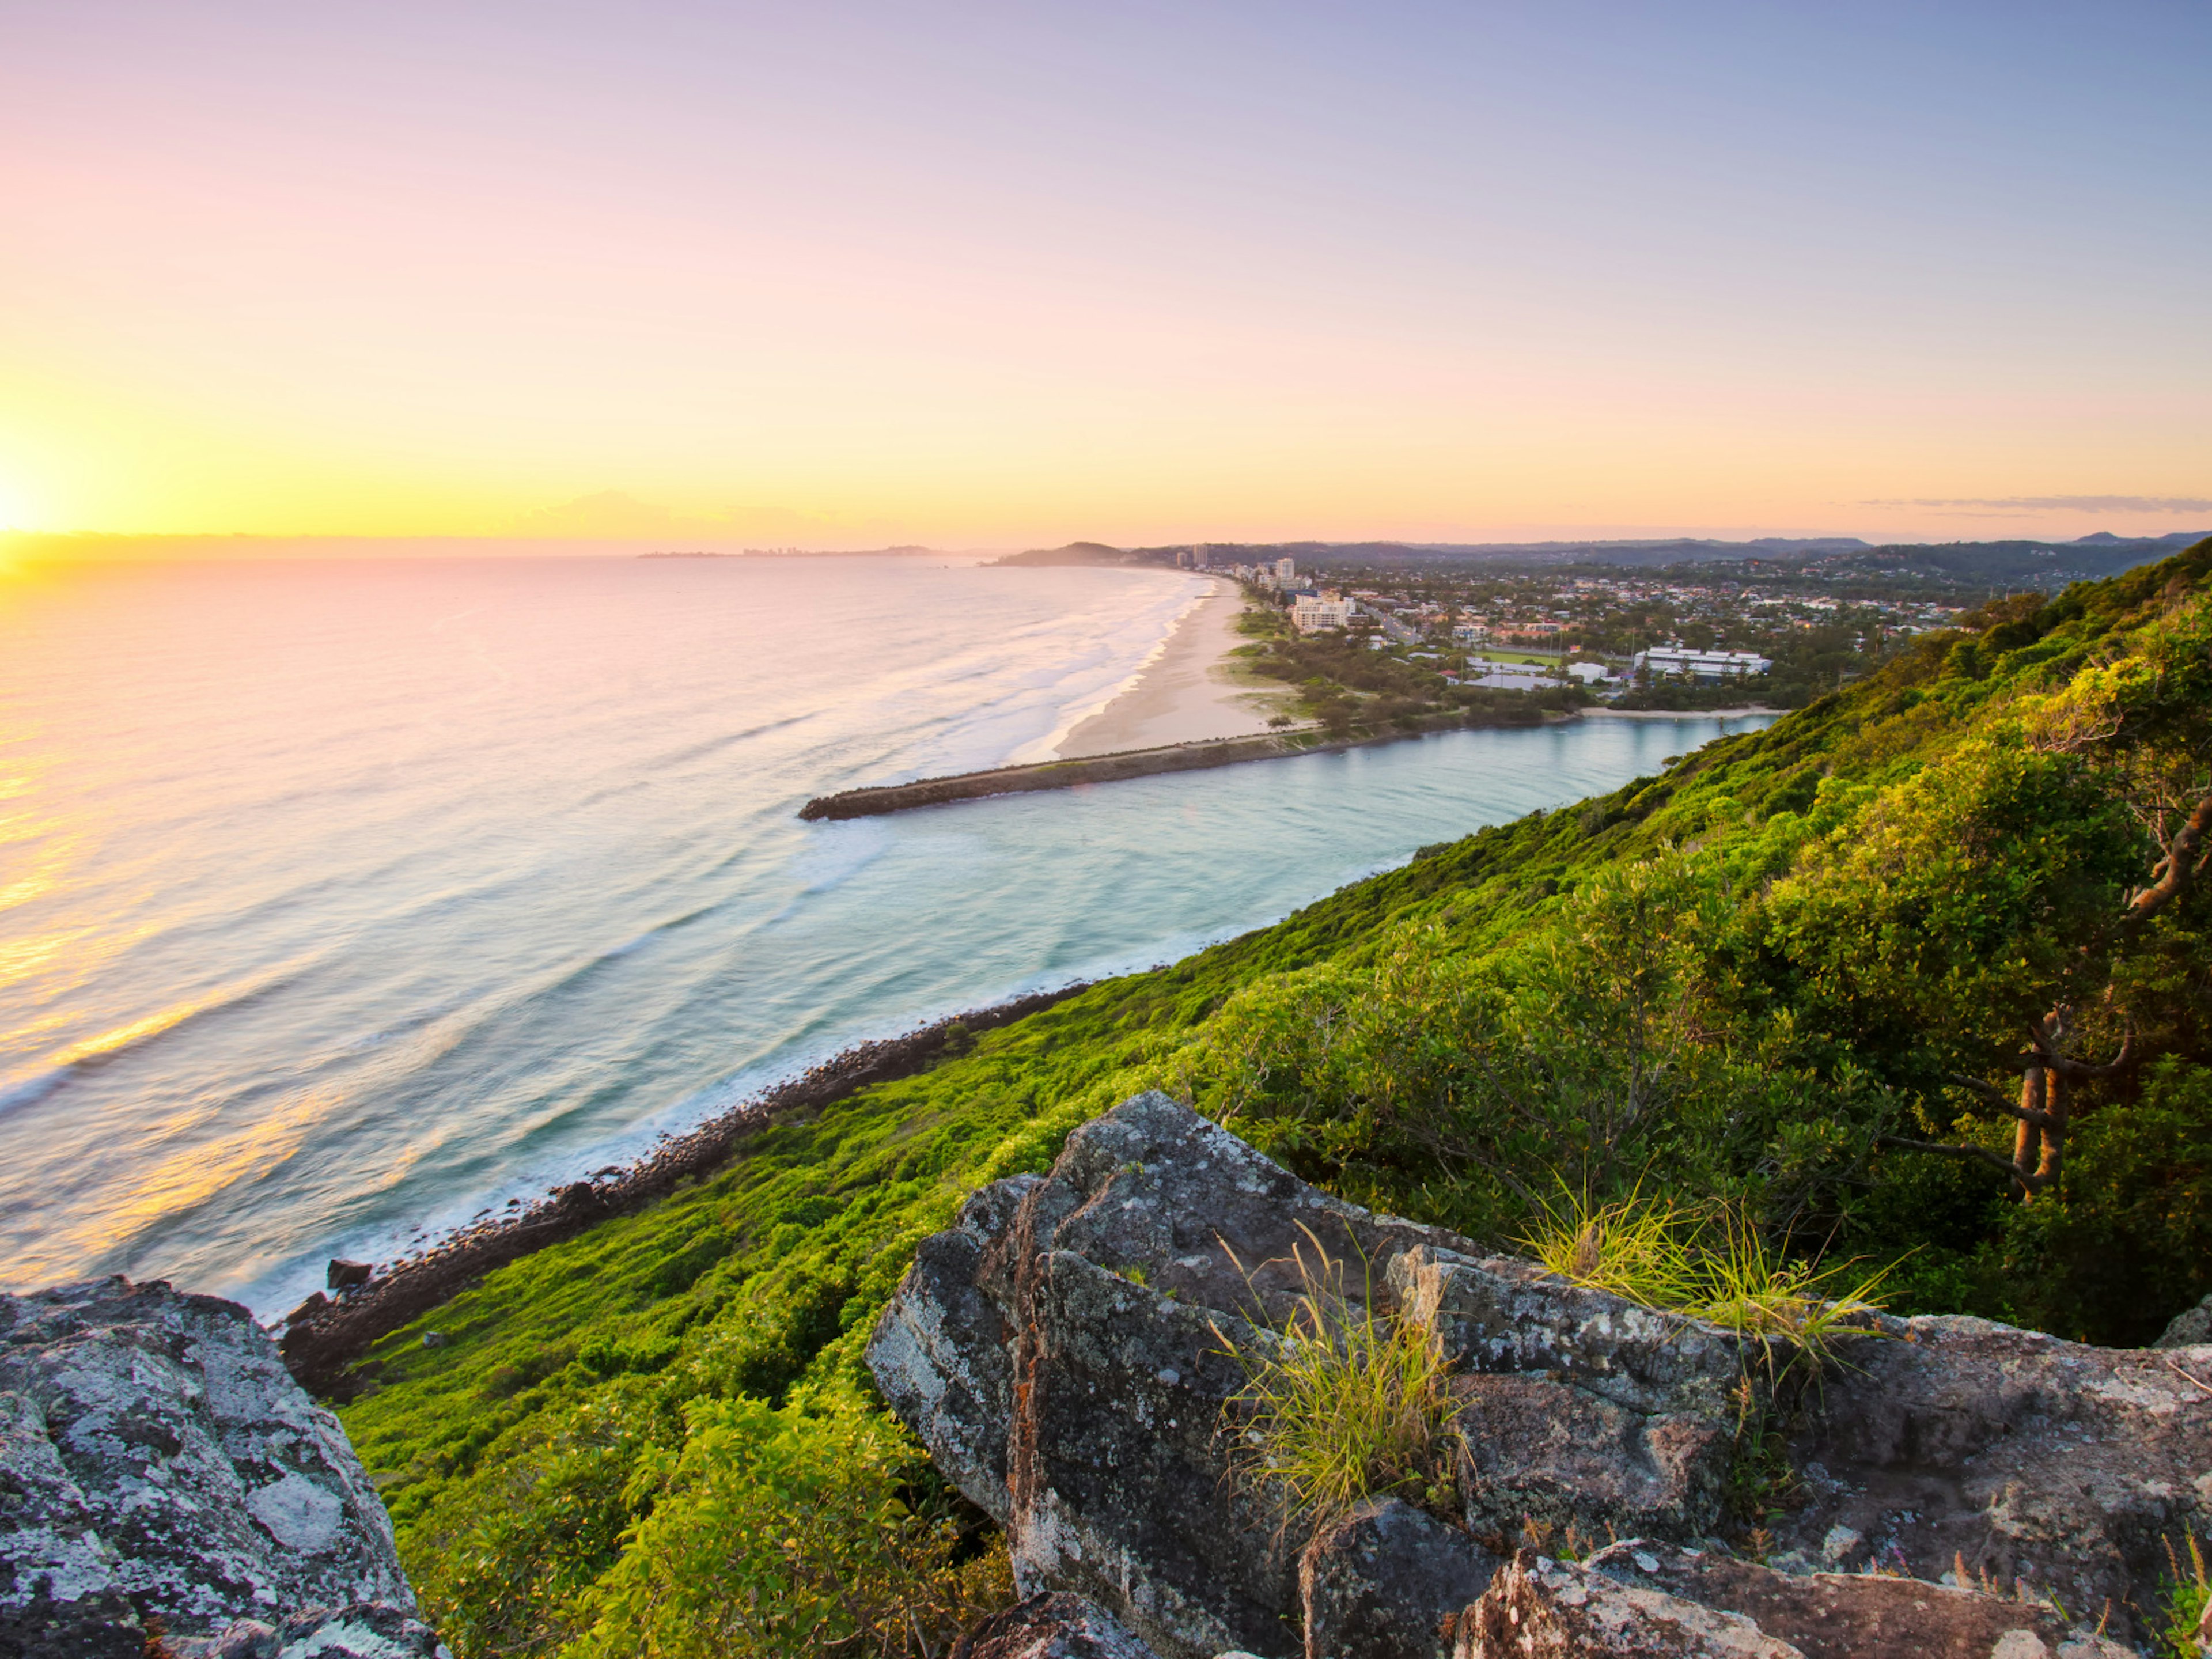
(1711, 1263)
(1341, 1401)
(1637, 1249)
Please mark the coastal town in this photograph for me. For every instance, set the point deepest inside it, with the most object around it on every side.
(1654, 639)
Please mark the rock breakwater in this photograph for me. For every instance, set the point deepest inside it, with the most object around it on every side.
(1128, 764)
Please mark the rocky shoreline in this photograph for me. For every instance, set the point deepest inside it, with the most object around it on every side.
(326, 1334)
(874, 802)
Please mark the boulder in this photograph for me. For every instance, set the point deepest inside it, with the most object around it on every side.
(1388, 1582)
(160, 1468)
(1052, 1627)
(1537, 1608)
(1832, 1615)
(2190, 1328)
(343, 1275)
(2046, 1469)
(1062, 1352)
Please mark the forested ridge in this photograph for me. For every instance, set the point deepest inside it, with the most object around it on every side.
(1915, 975)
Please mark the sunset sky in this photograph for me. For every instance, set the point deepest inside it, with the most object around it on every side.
(991, 274)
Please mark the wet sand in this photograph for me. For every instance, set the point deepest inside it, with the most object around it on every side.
(1186, 694)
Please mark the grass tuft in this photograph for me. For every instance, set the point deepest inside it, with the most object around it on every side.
(1342, 1402)
(1711, 1262)
(2187, 1594)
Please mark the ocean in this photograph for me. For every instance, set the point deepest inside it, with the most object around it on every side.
(343, 902)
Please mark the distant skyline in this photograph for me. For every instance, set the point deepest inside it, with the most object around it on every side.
(988, 276)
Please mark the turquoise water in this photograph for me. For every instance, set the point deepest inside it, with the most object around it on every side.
(340, 902)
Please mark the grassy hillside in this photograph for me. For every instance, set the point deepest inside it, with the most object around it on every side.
(1806, 972)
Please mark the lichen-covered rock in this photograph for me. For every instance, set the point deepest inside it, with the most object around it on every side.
(1052, 1627)
(1388, 1582)
(158, 1463)
(1832, 1615)
(2190, 1328)
(943, 1352)
(360, 1632)
(1538, 1608)
(1060, 1353)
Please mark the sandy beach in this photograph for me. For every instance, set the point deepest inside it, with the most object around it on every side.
(1184, 693)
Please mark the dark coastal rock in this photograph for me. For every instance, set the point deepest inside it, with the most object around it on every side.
(1537, 1608)
(343, 1275)
(1053, 1626)
(1388, 1582)
(1062, 1354)
(2062, 1469)
(324, 1338)
(2190, 1328)
(1832, 1615)
(157, 1463)
(943, 1354)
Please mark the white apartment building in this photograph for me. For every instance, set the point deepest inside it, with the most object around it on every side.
(1312, 613)
(1663, 659)
(1287, 570)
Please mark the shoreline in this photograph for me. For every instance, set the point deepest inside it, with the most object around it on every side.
(1181, 693)
(1745, 713)
(326, 1334)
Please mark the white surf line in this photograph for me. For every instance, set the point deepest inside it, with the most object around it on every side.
(1047, 747)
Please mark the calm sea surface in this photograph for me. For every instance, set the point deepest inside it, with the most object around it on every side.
(343, 902)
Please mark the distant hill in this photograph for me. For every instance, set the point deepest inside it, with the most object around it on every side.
(1090, 553)
(2045, 565)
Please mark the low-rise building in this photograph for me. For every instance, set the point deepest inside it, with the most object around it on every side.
(1712, 665)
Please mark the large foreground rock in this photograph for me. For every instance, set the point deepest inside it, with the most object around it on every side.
(161, 1471)
(1061, 1352)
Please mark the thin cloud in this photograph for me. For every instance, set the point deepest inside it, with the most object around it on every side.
(2066, 503)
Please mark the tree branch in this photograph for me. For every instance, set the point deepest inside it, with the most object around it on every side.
(2184, 858)
(1991, 1096)
(2027, 1178)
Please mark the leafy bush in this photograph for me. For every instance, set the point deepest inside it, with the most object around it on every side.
(775, 1531)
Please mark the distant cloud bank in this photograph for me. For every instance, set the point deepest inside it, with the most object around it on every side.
(2066, 503)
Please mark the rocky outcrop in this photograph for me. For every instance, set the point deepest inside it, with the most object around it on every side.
(1537, 1608)
(162, 1477)
(1388, 1580)
(2192, 1327)
(1053, 1626)
(1063, 1352)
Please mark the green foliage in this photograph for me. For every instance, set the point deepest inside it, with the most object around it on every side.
(777, 1532)
(1728, 989)
(2188, 1592)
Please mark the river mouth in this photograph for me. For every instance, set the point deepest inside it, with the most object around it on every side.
(506, 854)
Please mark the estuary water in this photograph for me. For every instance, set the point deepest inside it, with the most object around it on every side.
(343, 902)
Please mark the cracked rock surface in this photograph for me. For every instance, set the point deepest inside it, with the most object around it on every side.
(161, 1469)
(1060, 1353)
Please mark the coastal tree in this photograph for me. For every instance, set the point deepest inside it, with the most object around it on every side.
(2135, 731)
